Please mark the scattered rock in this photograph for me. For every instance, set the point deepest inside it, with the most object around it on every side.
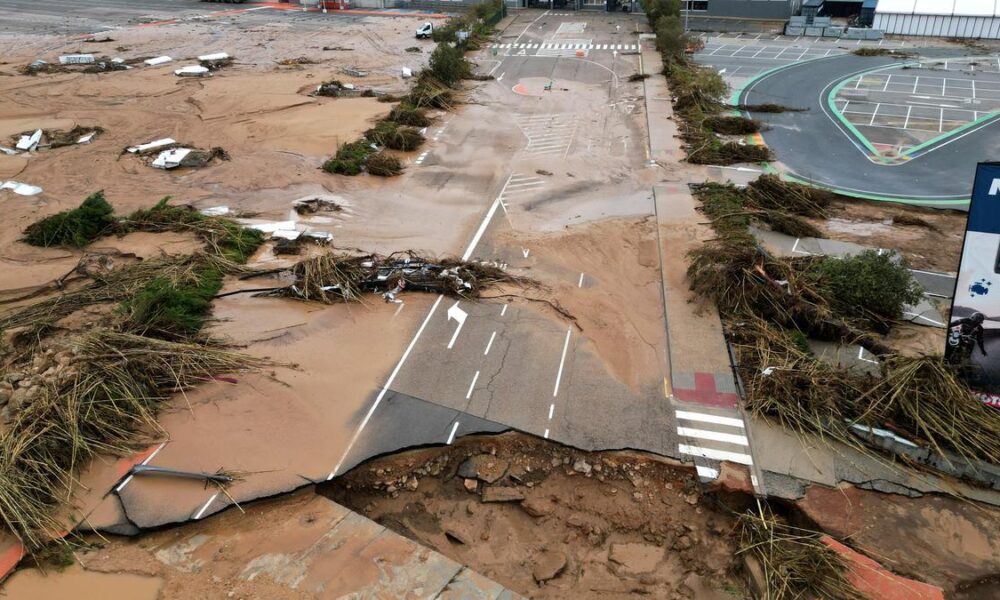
(548, 564)
(538, 507)
(502, 494)
(691, 499)
(456, 536)
(471, 485)
(582, 466)
(484, 467)
(636, 558)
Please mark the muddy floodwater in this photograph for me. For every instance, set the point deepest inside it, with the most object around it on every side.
(78, 584)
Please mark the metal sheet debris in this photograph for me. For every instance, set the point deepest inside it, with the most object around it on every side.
(407, 72)
(159, 60)
(273, 226)
(19, 188)
(150, 146)
(86, 139)
(8, 151)
(76, 59)
(286, 234)
(192, 71)
(216, 56)
(29, 142)
(171, 159)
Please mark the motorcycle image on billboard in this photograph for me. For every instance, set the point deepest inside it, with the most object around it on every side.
(973, 341)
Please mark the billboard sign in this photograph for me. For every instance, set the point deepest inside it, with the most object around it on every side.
(973, 340)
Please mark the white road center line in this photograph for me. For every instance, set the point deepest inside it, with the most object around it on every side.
(736, 457)
(205, 507)
(451, 436)
(385, 388)
(562, 362)
(490, 343)
(503, 310)
(715, 436)
(472, 385)
(707, 418)
(552, 409)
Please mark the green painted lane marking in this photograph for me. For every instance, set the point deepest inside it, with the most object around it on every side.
(948, 134)
(734, 99)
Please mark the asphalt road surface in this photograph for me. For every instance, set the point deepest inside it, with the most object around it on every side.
(512, 365)
(815, 146)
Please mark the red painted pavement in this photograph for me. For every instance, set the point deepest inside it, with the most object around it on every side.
(705, 393)
(877, 582)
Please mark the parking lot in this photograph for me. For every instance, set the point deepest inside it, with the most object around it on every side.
(899, 109)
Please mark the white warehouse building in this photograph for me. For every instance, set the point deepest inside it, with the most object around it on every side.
(940, 18)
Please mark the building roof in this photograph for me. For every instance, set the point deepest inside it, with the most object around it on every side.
(958, 8)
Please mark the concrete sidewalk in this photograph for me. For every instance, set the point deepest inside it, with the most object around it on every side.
(702, 387)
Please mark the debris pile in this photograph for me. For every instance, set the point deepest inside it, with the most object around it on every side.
(338, 89)
(214, 62)
(336, 277)
(31, 141)
(98, 394)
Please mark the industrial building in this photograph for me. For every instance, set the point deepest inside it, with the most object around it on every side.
(743, 9)
(939, 18)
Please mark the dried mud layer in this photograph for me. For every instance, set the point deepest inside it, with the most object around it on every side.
(550, 522)
(928, 238)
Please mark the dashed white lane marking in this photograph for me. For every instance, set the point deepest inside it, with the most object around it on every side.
(707, 418)
(421, 158)
(707, 472)
(552, 409)
(122, 485)
(398, 310)
(206, 505)
(472, 385)
(715, 436)
(451, 436)
(385, 388)
(562, 362)
(736, 457)
(546, 434)
(490, 343)
(580, 283)
(503, 310)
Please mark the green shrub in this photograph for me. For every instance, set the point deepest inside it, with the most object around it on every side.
(407, 114)
(349, 160)
(75, 228)
(670, 38)
(392, 135)
(868, 282)
(448, 65)
(173, 309)
(384, 164)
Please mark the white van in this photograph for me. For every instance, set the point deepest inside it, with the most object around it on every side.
(425, 30)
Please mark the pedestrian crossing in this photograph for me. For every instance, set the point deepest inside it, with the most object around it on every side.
(712, 436)
(547, 134)
(568, 45)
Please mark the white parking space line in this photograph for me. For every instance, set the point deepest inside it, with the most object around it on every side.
(715, 436)
(562, 362)
(122, 485)
(206, 505)
(709, 418)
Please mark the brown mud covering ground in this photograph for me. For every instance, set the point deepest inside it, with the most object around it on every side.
(550, 522)
(928, 238)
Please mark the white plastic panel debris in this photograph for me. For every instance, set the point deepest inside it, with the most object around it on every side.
(159, 60)
(171, 159)
(192, 71)
(8, 151)
(215, 211)
(29, 142)
(86, 139)
(273, 226)
(76, 59)
(286, 234)
(407, 72)
(324, 236)
(216, 56)
(22, 189)
(143, 148)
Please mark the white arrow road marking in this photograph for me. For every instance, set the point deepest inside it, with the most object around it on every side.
(459, 315)
(525, 252)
